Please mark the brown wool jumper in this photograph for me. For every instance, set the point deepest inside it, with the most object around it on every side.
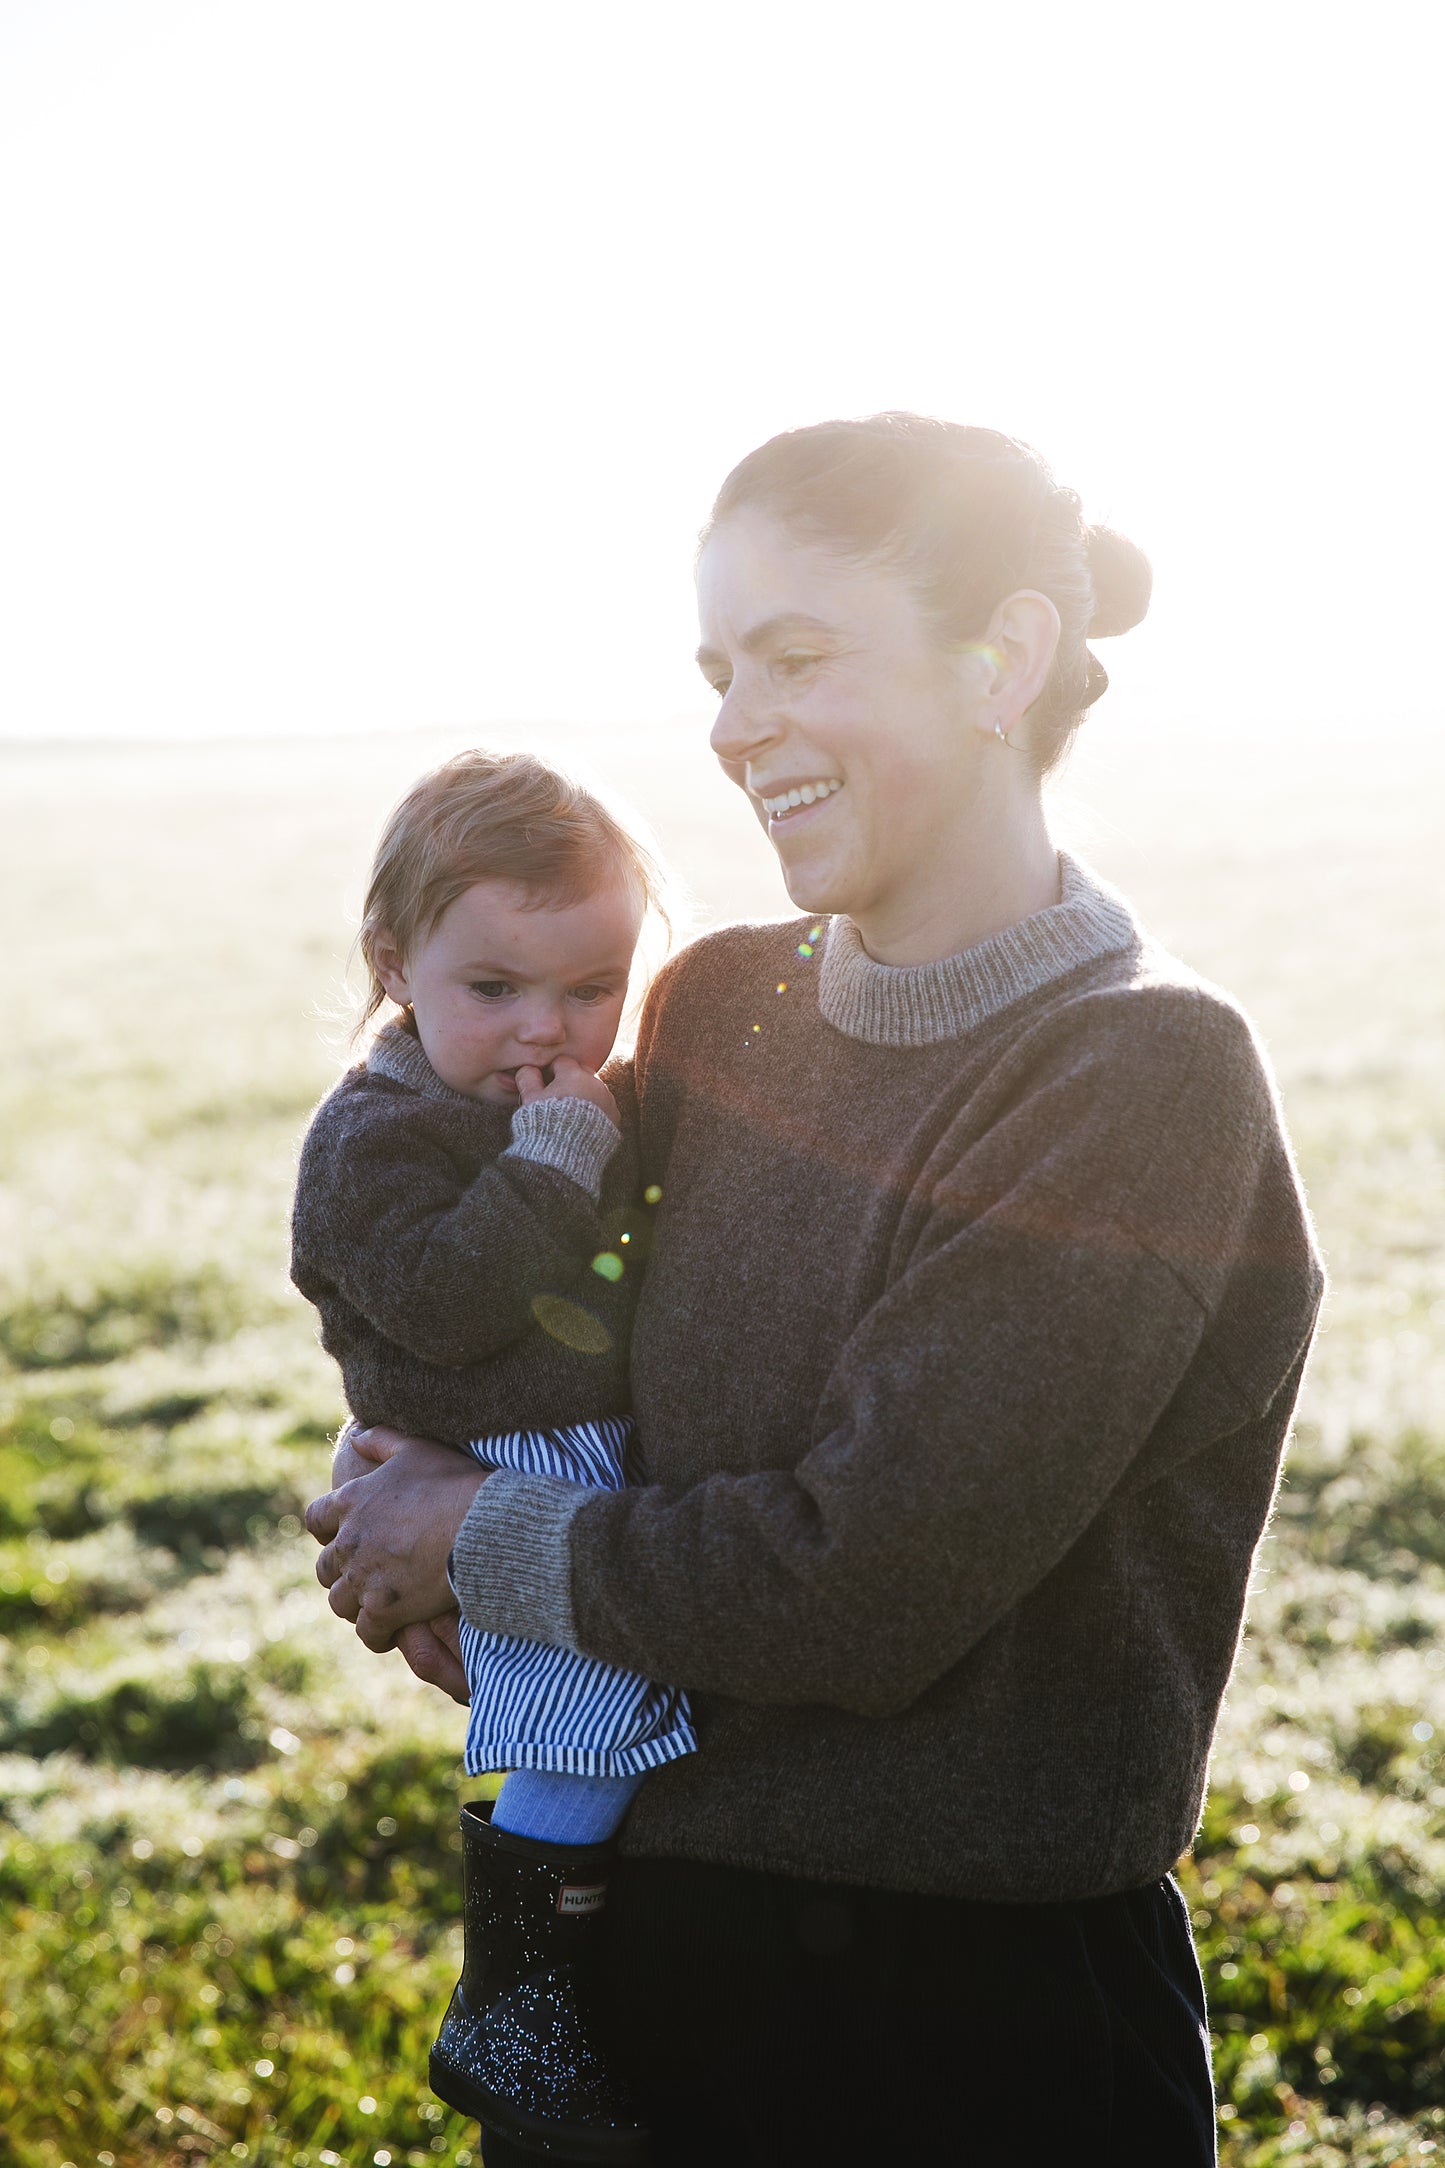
(963, 1364)
(432, 1231)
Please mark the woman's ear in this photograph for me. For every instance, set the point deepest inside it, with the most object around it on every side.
(389, 965)
(1018, 652)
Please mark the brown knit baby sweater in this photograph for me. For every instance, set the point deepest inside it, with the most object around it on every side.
(448, 1243)
(975, 1318)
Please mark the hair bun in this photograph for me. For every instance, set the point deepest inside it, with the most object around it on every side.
(1123, 582)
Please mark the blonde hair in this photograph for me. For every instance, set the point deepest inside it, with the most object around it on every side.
(493, 817)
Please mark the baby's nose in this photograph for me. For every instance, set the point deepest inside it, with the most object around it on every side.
(542, 1027)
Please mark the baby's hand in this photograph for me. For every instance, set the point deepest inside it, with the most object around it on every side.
(569, 1081)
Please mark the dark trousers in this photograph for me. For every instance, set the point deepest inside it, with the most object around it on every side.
(777, 2023)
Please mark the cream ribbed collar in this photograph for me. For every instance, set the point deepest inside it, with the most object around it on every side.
(920, 1004)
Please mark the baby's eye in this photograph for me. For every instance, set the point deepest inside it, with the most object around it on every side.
(491, 989)
(590, 993)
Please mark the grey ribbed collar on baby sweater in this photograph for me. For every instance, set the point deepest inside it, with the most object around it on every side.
(920, 1004)
(397, 1053)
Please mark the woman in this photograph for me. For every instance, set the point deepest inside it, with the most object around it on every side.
(979, 1298)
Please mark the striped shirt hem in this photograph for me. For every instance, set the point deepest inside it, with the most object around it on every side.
(579, 1761)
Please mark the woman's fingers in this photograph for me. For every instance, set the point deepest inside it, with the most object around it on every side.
(395, 1531)
(360, 1590)
(347, 1465)
(342, 1597)
(323, 1519)
(378, 1444)
(375, 1619)
(386, 1538)
(432, 1651)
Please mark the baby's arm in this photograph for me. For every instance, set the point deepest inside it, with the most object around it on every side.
(445, 1268)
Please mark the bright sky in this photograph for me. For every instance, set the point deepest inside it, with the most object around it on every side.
(371, 364)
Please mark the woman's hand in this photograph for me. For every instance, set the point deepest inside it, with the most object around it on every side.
(387, 1535)
(346, 1463)
(434, 1652)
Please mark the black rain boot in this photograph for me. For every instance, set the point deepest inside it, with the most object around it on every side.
(518, 2049)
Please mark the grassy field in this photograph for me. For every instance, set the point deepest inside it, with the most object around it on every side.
(226, 1869)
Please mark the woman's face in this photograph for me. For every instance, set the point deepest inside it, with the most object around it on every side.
(852, 729)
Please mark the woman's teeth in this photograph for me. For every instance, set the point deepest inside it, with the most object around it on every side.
(805, 794)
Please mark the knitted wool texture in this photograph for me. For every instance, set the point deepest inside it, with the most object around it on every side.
(963, 1366)
(447, 1245)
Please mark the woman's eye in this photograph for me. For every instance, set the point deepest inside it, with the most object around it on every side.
(720, 686)
(795, 661)
(491, 989)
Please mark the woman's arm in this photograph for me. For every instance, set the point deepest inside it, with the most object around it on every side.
(1057, 1337)
(443, 1268)
(1052, 1340)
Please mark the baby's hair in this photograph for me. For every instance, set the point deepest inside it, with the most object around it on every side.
(493, 817)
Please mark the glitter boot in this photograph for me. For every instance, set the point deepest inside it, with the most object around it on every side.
(519, 2047)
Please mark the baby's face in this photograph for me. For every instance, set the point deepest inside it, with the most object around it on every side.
(501, 984)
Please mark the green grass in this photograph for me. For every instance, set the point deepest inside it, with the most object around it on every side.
(227, 1854)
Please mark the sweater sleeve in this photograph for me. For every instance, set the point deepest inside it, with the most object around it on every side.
(447, 1268)
(1023, 1363)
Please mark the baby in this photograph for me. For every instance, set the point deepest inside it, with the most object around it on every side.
(456, 1191)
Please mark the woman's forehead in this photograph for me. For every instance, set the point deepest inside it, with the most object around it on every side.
(755, 577)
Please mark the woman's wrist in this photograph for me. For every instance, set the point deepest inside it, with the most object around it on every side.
(511, 1563)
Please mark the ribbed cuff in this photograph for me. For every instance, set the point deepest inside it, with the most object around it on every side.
(511, 1563)
(571, 1135)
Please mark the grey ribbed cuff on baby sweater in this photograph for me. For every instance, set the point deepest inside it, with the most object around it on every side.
(572, 1135)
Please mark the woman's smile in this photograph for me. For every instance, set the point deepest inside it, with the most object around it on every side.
(784, 803)
(842, 717)
(867, 741)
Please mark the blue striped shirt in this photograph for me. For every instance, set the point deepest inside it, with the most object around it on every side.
(535, 1707)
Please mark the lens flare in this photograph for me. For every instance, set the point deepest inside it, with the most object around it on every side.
(572, 1325)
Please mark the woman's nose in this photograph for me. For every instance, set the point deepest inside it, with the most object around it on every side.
(741, 729)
